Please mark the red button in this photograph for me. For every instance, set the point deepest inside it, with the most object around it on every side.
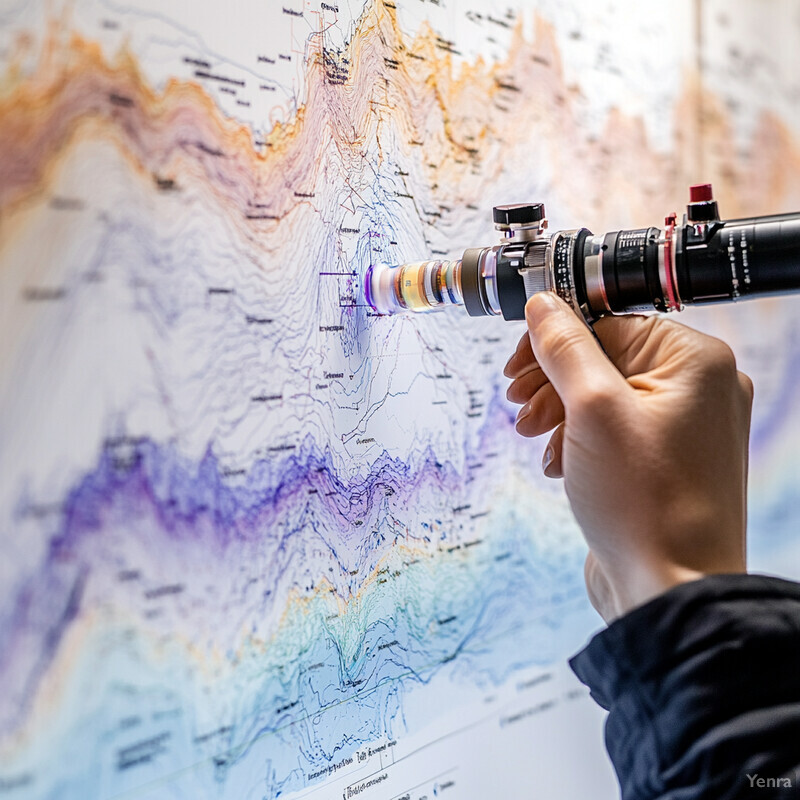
(701, 193)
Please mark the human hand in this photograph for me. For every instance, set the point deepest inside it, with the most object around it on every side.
(651, 438)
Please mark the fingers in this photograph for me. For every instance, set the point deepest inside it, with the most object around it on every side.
(568, 353)
(541, 413)
(522, 360)
(523, 388)
(551, 460)
(542, 410)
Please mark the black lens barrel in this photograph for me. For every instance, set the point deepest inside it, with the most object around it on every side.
(739, 258)
(630, 271)
(714, 261)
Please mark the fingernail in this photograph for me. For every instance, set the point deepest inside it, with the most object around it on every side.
(523, 412)
(547, 458)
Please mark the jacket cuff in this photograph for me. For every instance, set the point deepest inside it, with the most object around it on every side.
(691, 665)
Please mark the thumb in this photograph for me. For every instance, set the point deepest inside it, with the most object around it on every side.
(567, 351)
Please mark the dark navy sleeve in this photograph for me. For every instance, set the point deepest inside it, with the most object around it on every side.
(702, 686)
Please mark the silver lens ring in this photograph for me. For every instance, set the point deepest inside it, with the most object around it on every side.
(593, 274)
(430, 277)
(488, 267)
(452, 281)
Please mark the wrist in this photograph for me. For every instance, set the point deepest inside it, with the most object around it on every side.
(616, 591)
(655, 579)
(647, 581)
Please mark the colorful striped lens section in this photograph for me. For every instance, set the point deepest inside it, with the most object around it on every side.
(417, 286)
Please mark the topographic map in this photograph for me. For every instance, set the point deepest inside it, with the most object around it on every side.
(255, 540)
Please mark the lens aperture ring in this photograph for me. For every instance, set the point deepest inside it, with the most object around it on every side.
(565, 248)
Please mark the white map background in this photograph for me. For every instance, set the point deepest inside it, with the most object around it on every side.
(255, 541)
